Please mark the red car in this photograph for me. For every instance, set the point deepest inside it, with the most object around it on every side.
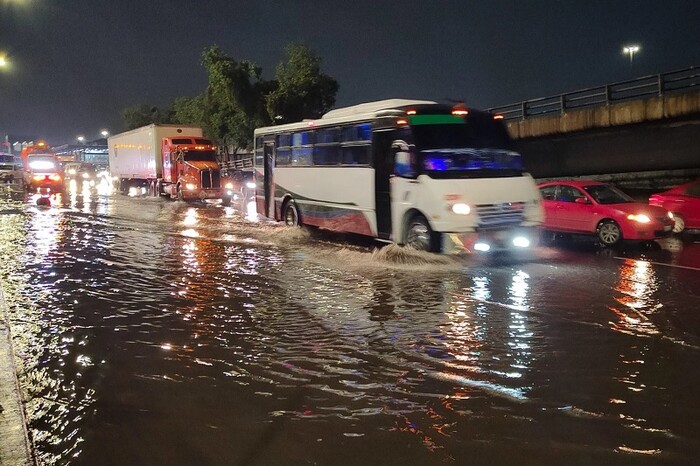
(684, 202)
(594, 208)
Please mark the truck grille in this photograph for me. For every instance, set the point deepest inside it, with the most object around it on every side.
(211, 179)
(498, 215)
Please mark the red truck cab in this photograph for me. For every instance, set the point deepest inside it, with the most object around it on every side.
(190, 168)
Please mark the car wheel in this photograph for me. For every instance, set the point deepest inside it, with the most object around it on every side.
(420, 236)
(679, 223)
(291, 214)
(609, 233)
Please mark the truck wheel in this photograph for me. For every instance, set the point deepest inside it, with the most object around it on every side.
(291, 214)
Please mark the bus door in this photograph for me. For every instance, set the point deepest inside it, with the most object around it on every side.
(383, 170)
(269, 186)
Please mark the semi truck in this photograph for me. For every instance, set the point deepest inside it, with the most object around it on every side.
(169, 160)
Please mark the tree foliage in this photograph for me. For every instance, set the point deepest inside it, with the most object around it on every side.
(237, 100)
(187, 111)
(142, 115)
(302, 90)
(231, 100)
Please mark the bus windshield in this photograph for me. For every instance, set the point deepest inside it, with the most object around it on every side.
(456, 147)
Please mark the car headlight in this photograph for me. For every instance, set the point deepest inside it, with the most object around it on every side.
(670, 215)
(250, 185)
(461, 209)
(641, 218)
(190, 186)
(71, 171)
(86, 175)
(229, 185)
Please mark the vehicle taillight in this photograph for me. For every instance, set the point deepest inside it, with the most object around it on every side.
(55, 177)
(38, 177)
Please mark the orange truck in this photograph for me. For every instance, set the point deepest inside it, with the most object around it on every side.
(42, 170)
(170, 160)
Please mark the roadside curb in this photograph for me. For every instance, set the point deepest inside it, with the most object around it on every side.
(14, 437)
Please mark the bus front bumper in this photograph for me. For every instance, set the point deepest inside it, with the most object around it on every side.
(488, 241)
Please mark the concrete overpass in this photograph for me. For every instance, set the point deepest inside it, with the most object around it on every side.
(642, 133)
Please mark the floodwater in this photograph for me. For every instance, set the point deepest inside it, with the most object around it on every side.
(157, 332)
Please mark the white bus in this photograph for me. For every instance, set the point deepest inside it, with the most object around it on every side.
(411, 172)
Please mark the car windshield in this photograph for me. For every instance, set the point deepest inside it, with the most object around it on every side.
(605, 194)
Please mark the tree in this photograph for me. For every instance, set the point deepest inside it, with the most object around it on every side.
(302, 90)
(232, 100)
(187, 111)
(142, 115)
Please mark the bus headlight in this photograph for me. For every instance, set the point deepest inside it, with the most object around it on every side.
(461, 209)
(190, 186)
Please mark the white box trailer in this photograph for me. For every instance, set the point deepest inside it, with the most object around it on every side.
(136, 154)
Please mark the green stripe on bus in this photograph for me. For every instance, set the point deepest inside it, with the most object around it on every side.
(435, 120)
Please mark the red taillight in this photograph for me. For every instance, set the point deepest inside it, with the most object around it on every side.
(498, 116)
(39, 177)
(460, 110)
(55, 177)
(402, 121)
(410, 112)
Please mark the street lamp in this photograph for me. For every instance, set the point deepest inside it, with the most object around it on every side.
(81, 139)
(104, 133)
(630, 50)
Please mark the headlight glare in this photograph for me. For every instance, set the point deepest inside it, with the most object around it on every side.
(461, 209)
(641, 218)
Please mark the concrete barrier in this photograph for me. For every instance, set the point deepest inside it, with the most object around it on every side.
(14, 438)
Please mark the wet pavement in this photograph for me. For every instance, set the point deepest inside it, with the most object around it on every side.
(157, 332)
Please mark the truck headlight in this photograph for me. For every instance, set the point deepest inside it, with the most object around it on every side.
(461, 209)
(190, 186)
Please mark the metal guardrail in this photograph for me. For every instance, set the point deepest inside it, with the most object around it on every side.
(679, 81)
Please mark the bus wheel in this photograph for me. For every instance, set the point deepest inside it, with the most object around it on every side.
(420, 236)
(291, 214)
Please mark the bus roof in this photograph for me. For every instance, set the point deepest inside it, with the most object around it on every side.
(364, 111)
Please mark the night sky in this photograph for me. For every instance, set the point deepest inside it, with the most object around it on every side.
(76, 64)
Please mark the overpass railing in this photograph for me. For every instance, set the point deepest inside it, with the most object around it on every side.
(679, 81)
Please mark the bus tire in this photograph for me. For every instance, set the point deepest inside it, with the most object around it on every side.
(291, 214)
(420, 236)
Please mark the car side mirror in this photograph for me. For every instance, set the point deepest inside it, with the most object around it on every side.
(582, 200)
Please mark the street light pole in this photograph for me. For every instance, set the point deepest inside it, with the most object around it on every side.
(630, 50)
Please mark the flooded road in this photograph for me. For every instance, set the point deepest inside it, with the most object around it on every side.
(158, 332)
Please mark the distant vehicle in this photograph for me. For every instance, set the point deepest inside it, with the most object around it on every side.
(40, 147)
(81, 173)
(10, 169)
(43, 173)
(166, 160)
(417, 173)
(684, 201)
(241, 184)
(594, 208)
